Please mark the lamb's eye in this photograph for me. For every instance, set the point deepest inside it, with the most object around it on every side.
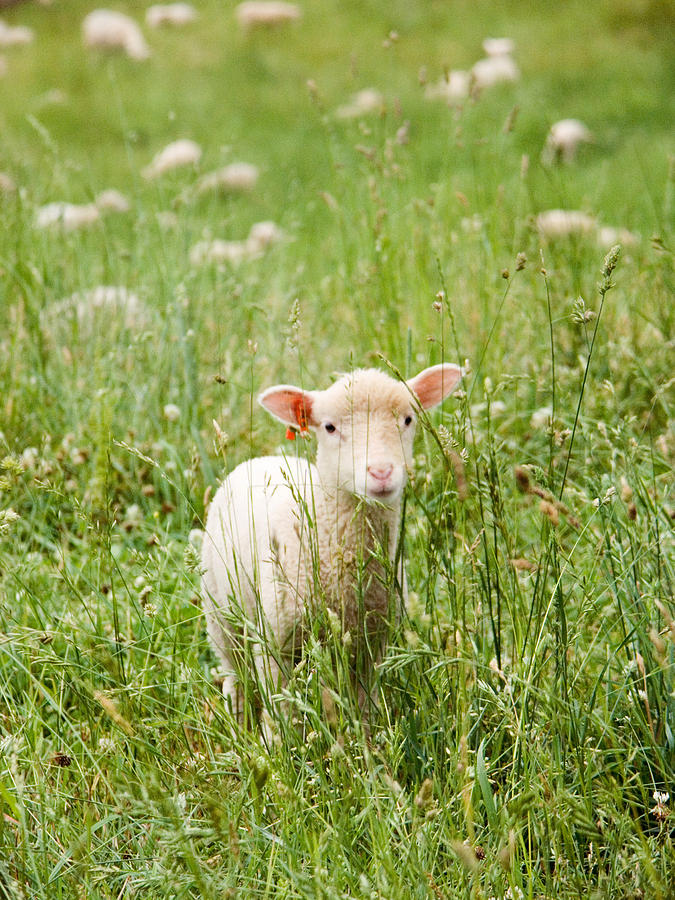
(329, 428)
(407, 421)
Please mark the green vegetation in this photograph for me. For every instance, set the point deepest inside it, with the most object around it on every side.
(527, 701)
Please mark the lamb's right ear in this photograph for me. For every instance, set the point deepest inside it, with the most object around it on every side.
(291, 405)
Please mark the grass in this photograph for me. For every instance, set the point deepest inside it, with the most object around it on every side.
(526, 702)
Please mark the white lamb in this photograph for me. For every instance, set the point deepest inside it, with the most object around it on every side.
(285, 538)
(106, 29)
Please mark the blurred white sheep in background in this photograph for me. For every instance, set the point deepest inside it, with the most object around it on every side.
(563, 223)
(497, 67)
(453, 88)
(7, 184)
(266, 13)
(174, 156)
(112, 201)
(238, 176)
(365, 102)
(261, 236)
(608, 236)
(14, 36)
(170, 14)
(555, 223)
(106, 29)
(493, 70)
(563, 141)
(68, 216)
(113, 304)
(503, 46)
(71, 216)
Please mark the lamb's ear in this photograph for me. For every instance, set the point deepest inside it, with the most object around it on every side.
(291, 405)
(433, 385)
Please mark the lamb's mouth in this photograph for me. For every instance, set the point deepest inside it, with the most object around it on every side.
(382, 493)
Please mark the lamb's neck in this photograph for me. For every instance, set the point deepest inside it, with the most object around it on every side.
(351, 520)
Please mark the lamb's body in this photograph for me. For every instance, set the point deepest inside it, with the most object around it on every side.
(285, 537)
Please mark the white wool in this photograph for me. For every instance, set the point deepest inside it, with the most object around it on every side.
(563, 140)
(285, 538)
(367, 101)
(112, 201)
(452, 89)
(564, 222)
(170, 14)
(69, 216)
(238, 176)
(499, 46)
(106, 29)
(266, 13)
(7, 184)
(494, 70)
(13, 36)
(175, 155)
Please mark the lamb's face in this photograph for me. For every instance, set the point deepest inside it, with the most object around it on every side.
(365, 425)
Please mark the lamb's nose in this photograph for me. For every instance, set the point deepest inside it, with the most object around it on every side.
(380, 473)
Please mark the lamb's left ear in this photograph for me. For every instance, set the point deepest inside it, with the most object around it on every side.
(433, 385)
(291, 405)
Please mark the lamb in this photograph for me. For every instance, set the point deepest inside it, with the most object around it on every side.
(283, 537)
(106, 29)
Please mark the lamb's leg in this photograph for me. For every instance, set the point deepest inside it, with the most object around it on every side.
(269, 676)
(232, 693)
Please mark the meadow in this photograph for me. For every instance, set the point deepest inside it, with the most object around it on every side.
(524, 741)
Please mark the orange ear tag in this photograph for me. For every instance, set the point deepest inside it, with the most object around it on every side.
(290, 434)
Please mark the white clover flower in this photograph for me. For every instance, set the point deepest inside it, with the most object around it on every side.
(196, 538)
(7, 518)
(541, 418)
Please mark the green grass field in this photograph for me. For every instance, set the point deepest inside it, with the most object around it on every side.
(524, 741)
